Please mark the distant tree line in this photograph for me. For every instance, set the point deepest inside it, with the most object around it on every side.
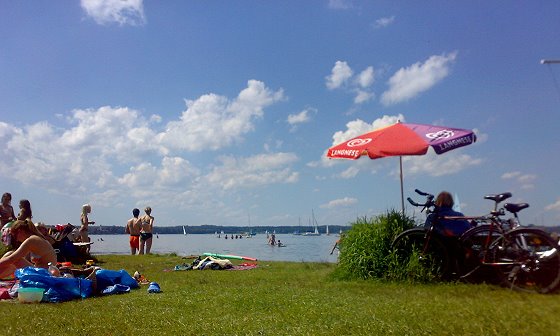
(210, 229)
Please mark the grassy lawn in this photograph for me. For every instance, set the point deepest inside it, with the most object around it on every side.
(283, 298)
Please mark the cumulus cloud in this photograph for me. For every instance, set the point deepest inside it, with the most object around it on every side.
(409, 82)
(340, 4)
(341, 202)
(358, 127)
(263, 169)
(525, 181)
(384, 22)
(350, 172)
(366, 77)
(116, 154)
(300, 118)
(341, 77)
(122, 12)
(340, 74)
(554, 206)
(438, 165)
(212, 122)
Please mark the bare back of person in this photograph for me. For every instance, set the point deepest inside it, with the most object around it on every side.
(134, 225)
(37, 249)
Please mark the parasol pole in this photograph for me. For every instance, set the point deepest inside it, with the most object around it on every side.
(402, 192)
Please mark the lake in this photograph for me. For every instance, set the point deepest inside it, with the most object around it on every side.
(298, 248)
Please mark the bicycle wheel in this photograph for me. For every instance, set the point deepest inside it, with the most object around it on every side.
(473, 246)
(409, 250)
(528, 260)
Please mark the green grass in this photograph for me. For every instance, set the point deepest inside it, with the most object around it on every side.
(283, 298)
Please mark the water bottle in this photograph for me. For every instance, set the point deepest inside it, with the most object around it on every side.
(53, 270)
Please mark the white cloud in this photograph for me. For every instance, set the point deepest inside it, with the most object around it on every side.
(123, 12)
(340, 4)
(258, 170)
(384, 22)
(366, 77)
(438, 165)
(341, 77)
(554, 206)
(115, 155)
(350, 172)
(358, 127)
(340, 74)
(341, 202)
(79, 157)
(300, 118)
(524, 181)
(363, 96)
(409, 82)
(212, 122)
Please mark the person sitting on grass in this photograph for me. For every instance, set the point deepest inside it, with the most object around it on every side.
(33, 246)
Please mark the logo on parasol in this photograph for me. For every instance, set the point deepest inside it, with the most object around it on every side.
(443, 134)
(358, 142)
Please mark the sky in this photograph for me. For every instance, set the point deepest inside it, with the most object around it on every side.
(221, 112)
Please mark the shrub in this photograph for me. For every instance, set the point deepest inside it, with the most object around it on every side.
(365, 251)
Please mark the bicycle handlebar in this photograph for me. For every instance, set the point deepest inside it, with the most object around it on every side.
(422, 193)
(414, 203)
(426, 205)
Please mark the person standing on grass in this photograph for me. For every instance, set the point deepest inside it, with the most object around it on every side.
(146, 231)
(83, 233)
(6, 211)
(133, 227)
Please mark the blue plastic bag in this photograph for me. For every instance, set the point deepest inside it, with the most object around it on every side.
(56, 289)
(106, 278)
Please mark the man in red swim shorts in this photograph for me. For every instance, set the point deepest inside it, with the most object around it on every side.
(133, 227)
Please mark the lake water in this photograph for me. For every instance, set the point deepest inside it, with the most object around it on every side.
(298, 248)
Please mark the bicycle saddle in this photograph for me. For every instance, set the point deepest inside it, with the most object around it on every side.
(499, 197)
(515, 207)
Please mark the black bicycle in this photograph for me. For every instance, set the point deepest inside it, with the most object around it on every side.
(521, 258)
(494, 250)
(425, 245)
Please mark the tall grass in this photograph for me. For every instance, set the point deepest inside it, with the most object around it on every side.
(365, 251)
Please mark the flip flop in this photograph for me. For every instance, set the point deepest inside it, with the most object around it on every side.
(154, 288)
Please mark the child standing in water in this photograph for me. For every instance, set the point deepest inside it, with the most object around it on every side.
(146, 232)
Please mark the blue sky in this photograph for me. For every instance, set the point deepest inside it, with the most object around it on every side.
(214, 112)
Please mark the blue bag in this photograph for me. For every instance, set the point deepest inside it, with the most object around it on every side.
(56, 289)
(106, 278)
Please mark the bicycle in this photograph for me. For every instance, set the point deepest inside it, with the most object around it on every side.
(520, 258)
(424, 244)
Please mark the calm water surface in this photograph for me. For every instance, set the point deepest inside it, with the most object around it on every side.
(298, 248)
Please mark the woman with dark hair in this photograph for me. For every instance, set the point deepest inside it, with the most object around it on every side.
(25, 210)
(33, 246)
(6, 211)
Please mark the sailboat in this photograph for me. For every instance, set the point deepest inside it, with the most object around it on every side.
(296, 232)
(184, 231)
(327, 233)
(314, 223)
